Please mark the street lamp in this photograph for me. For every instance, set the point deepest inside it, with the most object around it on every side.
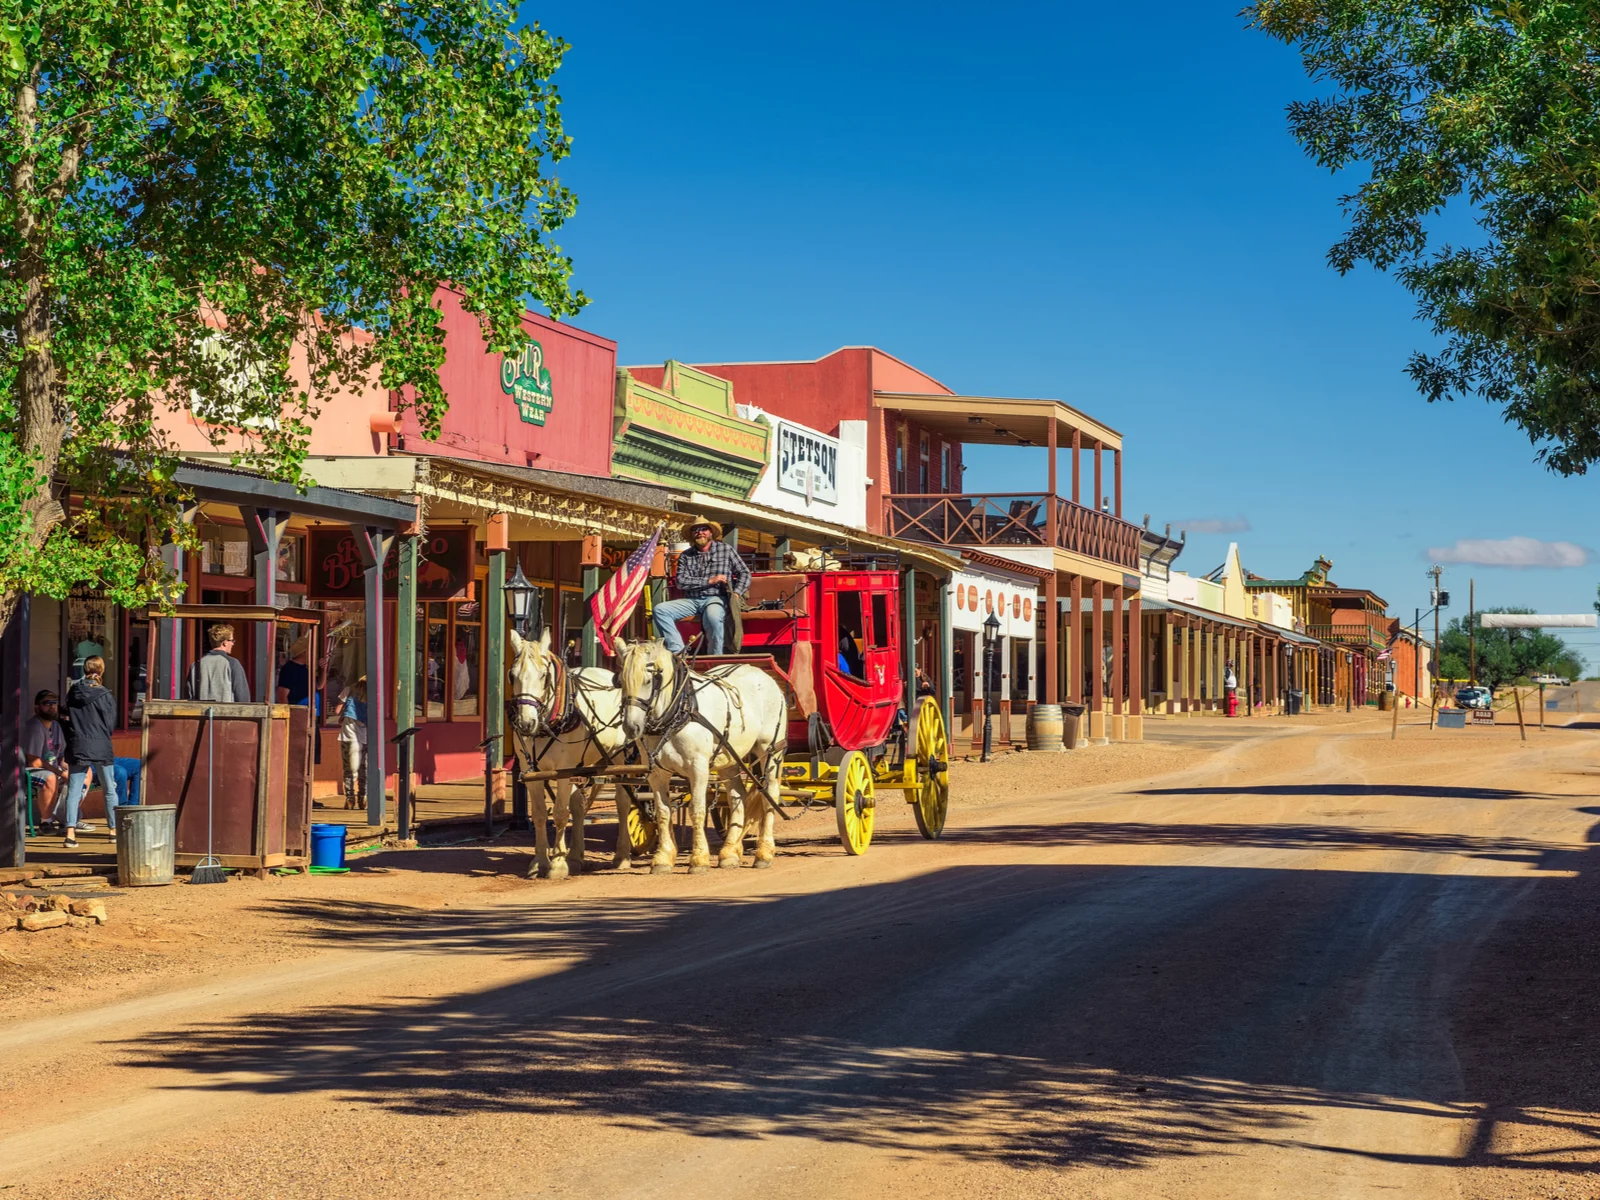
(991, 641)
(521, 597)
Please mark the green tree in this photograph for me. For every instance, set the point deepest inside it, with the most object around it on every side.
(1503, 659)
(196, 187)
(1495, 105)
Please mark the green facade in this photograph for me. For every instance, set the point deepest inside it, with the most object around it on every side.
(687, 433)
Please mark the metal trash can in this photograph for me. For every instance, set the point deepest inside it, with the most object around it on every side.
(1294, 696)
(147, 839)
(1072, 724)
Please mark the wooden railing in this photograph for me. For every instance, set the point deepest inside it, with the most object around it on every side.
(1012, 519)
(1360, 635)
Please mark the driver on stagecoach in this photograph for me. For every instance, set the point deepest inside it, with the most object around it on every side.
(709, 571)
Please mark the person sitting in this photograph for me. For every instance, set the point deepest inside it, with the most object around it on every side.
(44, 747)
(218, 677)
(709, 572)
(850, 655)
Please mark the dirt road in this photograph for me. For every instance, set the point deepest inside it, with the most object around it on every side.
(1310, 962)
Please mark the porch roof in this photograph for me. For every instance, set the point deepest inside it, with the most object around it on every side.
(998, 421)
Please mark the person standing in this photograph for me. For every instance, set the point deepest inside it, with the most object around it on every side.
(218, 677)
(294, 677)
(44, 747)
(709, 574)
(91, 716)
(353, 741)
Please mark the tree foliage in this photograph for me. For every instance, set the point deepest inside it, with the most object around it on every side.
(197, 189)
(1496, 105)
(1503, 659)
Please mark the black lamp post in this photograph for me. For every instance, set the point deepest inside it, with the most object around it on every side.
(521, 598)
(991, 640)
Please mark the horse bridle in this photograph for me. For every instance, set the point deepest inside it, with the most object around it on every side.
(553, 672)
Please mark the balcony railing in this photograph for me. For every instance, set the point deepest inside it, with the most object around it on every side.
(1012, 519)
(1358, 635)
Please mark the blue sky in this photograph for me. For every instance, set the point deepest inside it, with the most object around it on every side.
(1094, 202)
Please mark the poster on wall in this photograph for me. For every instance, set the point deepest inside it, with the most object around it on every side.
(808, 463)
(444, 564)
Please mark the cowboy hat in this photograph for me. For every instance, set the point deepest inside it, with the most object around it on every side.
(715, 527)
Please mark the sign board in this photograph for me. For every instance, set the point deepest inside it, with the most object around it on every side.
(1537, 620)
(808, 463)
(1482, 716)
(444, 564)
(974, 595)
(527, 381)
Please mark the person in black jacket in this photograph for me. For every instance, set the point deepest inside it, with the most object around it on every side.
(91, 716)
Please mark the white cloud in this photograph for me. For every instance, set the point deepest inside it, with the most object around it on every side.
(1237, 524)
(1510, 552)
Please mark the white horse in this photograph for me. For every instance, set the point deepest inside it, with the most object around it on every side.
(552, 731)
(683, 713)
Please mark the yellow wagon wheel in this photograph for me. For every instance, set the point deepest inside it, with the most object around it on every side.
(642, 834)
(853, 802)
(932, 798)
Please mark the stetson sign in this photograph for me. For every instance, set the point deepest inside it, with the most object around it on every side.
(808, 463)
(527, 381)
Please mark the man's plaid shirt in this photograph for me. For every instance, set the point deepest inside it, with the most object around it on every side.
(696, 567)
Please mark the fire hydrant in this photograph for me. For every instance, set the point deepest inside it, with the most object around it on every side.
(1233, 703)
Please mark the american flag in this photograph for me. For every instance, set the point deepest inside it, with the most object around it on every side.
(614, 603)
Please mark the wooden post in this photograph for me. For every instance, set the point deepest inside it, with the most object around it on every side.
(1119, 711)
(1394, 721)
(1099, 489)
(1541, 704)
(590, 646)
(1097, 672)
(908, 641)
(405, 667)
(263, 528)
(1170, 675)
(947, 660)
(16, 709)
(494, 697)
(1077, 467)
(372, 548)
(1052, 638)
(1075, 638)
(1116, 486)
(1135, 732)
(1521, 728)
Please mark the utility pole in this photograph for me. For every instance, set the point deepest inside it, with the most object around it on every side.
(1416, 658)
(1438, 596)
(1472, 643)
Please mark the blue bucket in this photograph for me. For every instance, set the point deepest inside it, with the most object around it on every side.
(327, 845)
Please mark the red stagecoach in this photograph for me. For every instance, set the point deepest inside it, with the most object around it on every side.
(834, 638)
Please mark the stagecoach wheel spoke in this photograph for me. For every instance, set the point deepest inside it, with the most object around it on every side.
(853, 802)
(932, 799)
(641, 831)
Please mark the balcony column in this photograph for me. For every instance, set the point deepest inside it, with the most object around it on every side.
(1197, 642)
(1119, 673)
(1170, 676)
(1135, 731)
(1116, 482)
(1097, 660)
(1074, 656)
(1052, 683)
(1077, 467)
(1099, 489)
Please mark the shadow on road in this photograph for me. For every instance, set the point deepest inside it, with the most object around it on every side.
(1422, 791)
(1031, 1015)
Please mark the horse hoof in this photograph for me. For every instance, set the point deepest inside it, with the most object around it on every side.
(761, 864)
(661, 868)
(728, 861)
(699, 868)
(622, 864)
(558, 870)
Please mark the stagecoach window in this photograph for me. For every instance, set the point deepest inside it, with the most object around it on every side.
(851, 629)
(880, 620)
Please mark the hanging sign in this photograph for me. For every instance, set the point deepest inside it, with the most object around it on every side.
(527, 381)
(808, 463)
(444, 564)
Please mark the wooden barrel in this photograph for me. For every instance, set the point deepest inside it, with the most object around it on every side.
(1045, 727)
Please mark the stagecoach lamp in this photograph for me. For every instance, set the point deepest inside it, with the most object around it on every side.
(519, 600)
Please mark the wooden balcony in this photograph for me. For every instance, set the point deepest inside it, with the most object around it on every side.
(1012, 519)
(1348, 635)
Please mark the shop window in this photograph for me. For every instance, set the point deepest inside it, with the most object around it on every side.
(466, 659)
(851, 630)
(900, 458)
(922, 471)
(344, 653)
(291, 559)
(880, 621)
(438, 652)
(89, 632)
(225, 554)
(570, 637)
(944, 467)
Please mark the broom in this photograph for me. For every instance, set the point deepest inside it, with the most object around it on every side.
(209, 869)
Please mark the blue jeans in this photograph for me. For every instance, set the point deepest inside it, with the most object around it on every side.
(78, 786)
(127, 773)
(713, 614)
